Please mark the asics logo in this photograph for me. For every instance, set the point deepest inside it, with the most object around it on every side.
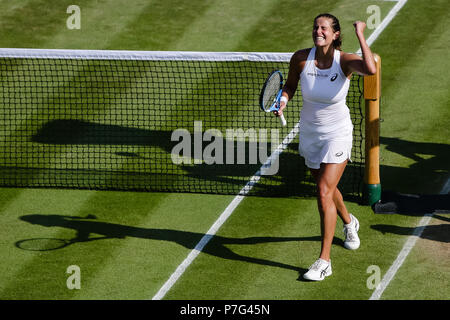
(340, 153)
(323, 273)
(334, 77)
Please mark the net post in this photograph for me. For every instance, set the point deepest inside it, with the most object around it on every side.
(372, 93)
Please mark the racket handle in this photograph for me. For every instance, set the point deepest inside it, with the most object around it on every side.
(282, 120)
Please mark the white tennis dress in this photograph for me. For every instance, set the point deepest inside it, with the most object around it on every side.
(325, 125)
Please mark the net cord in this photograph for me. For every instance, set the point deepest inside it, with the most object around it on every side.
(144, 55)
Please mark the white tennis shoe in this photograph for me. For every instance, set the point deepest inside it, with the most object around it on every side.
(319, 270)
(352, 241)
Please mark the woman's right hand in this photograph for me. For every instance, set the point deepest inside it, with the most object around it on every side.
(279, 112)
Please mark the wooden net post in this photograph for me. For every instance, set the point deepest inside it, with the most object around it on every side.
(372, 93)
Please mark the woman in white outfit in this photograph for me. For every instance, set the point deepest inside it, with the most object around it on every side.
(324, 72)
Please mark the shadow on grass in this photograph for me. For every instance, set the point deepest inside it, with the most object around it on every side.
(216, 245)
(412, 190)
(431, 232)
(412, 204)
(427, 172)
(227, 176)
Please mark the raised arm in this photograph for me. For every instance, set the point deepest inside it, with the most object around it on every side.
(364, 65)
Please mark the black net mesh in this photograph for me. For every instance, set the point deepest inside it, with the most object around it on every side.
(175, 126)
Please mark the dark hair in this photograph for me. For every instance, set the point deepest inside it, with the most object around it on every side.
(336, 27)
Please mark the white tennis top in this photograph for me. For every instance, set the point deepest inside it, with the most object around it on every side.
(324, 94)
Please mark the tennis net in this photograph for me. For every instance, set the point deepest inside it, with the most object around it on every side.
(153, 121)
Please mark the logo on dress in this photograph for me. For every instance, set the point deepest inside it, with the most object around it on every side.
(319, 75)
(334, 77)
(340, 153)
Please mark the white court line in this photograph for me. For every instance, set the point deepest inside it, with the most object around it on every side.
(229, 210)
(224, 216)
(376, 295)
(376, 33)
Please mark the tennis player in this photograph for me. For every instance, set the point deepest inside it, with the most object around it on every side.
(326, 130)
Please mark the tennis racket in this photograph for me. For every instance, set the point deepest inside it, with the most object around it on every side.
(269, 99)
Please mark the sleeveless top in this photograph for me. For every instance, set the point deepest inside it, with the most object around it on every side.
(324, 93)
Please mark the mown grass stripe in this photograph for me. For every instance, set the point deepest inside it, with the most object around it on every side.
(32, 23)
(98, 19)
(222, 25)
(158, 26)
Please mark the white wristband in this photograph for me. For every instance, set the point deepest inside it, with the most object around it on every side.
(284, 99)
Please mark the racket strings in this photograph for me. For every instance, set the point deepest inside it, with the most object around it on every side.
(271, 91)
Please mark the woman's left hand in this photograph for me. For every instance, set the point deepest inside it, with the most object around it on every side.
(359, 27)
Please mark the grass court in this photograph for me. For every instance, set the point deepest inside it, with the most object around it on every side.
(128, 244)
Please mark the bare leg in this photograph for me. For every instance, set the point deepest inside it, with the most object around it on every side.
(341, 208)
(338, 200)
(330, 202)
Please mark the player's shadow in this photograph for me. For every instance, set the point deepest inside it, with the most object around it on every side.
(429, 165)
(439, 232)
(217, 245)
